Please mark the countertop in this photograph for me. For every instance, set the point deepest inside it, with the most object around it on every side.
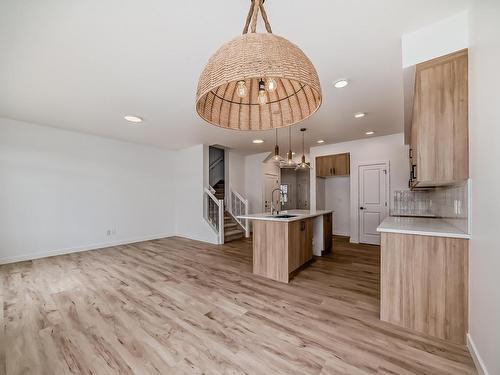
(421, 226)
(301, 214)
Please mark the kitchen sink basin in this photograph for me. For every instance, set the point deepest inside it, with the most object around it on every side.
(284, 216)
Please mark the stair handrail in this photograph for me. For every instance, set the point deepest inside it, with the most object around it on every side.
(215, 219)
(239, 207)
(215, 162)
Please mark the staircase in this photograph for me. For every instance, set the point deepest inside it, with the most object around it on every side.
(219, 190)
(232, 230)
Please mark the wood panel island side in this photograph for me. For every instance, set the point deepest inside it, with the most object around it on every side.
(283, 243)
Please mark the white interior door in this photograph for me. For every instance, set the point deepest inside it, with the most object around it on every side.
(373, 200)
(271, 182)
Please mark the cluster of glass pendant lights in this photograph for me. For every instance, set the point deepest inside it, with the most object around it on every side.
(259, 81)
(289, 162)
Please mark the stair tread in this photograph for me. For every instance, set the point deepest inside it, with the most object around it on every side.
(235, 231)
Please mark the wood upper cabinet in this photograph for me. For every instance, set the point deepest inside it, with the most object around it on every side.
(439, 135)
(333, 165)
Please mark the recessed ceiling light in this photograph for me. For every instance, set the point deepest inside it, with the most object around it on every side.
(321, 141)
(370, 133)
(341, 83)
(135, 119)
(359, 115)
(258, 141)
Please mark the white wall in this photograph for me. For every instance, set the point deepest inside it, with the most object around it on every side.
(437, 39)
(61, 191)
(254, 179)
(236, 171)
(372, 149)
(337, 193)
(484, 78)
(191, 176)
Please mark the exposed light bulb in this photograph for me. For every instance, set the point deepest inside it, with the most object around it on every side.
(271, 85)
(262, 99)
(277, 156)
(242, 89)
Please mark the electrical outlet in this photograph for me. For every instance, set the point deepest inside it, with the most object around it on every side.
(108, 232)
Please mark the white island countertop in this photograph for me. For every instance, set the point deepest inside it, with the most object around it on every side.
(297, 215)
(421, 226)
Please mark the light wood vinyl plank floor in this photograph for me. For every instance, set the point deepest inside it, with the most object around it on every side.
(177, 306)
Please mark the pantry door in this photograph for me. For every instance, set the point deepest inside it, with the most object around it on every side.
(373, 205)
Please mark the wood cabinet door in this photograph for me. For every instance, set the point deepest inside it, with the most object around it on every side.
(440, 122)
(327, 232)
(324, 166)
(320, 166)
(341, 164)
(424, 284)
(299, 243)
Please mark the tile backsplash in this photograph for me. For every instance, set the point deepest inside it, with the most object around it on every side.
(450, 203)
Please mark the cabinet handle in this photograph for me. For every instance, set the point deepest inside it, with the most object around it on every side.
(302, 226)
(410, 153)
(333, 170)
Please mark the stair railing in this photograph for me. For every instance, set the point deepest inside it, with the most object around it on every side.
(239, 207)
(214, 213)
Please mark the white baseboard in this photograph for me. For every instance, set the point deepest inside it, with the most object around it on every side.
(481, 368)
(45, 254)
(198, 238)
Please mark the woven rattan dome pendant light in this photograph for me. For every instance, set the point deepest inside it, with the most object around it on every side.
(258, 81)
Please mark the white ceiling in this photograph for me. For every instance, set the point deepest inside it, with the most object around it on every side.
(83, 65)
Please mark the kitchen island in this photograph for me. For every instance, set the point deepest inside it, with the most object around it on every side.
(283, 243)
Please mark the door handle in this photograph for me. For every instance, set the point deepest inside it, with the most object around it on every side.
(361, 208)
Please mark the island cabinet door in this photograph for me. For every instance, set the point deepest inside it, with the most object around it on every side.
(327, 232)
(299, 243)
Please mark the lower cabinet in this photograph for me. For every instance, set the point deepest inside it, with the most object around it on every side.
(300, 234)
(327, 232)
(424, 284)
(279, 248)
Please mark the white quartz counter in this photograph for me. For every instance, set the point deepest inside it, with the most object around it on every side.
(421, 226)
(298, 215)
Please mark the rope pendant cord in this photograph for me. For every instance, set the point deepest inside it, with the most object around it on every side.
(253, 14)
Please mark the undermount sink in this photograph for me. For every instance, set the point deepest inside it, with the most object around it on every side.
(284, 216)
